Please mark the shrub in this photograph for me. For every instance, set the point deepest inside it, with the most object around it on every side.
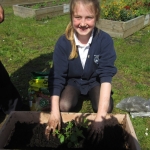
(124, 10)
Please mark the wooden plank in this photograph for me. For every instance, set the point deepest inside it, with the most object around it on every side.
(133, 141)
(114, 34)
(124, 29)
(111, 25)
(23, 11)
(133, 30)
(126, 33)
(147, 20)
(49, 15)
(49, 10)
(133, 22)
(40, 13)
(110, 30)
(14, 2)
(53, 14)
(120, 26)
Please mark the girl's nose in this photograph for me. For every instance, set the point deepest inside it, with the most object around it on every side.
(83, 23)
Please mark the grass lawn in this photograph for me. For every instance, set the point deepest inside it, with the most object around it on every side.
(27, 45)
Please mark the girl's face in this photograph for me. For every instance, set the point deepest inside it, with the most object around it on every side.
(83, 20)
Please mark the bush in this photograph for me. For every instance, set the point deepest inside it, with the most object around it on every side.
(124, 10)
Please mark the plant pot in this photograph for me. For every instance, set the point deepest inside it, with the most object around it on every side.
(49, 11)
(122, 29)
(39, 117)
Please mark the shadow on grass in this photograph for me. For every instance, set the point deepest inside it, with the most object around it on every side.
(22, 76)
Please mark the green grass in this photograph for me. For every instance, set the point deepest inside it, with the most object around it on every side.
(27, 45)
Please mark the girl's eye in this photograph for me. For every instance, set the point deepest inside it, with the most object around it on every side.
(78, 17)
(89, 18)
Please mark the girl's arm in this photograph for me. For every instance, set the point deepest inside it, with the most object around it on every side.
(97, 126)
(54, 101)
(104, 100)
(54, 121)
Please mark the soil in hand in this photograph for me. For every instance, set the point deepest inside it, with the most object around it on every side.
(32, 135)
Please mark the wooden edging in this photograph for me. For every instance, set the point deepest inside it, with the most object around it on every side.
(7, 3)
(41, 13)
(122, 29)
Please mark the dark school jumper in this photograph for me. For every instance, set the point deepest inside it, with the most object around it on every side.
(99, 65)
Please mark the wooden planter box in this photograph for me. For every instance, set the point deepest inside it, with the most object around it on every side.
(40, 13)
(121, 29)
(14, 2)
(39, 117)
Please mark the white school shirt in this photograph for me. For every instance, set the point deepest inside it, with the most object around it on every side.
(83, 49)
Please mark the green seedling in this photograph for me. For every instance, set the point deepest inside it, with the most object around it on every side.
(71, 133)
(39, 5)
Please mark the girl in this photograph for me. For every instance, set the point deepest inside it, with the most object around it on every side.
(83, 64)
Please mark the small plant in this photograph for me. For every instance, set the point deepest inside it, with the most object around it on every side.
(46, 4)
(39, 5)
(59, 2)
(71, 133)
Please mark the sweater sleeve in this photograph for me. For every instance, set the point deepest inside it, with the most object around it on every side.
(106, 69)
(58, 73)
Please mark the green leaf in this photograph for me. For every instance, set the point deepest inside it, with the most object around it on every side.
(57, 131)
(62, 139)
(59, 136)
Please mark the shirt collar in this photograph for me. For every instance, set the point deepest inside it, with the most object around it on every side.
(77, 42)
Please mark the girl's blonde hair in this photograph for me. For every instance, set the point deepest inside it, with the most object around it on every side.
(70, 31)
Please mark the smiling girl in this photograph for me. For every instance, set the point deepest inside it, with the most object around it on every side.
(83, 64)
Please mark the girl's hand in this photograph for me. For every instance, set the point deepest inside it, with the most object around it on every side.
(97, 130)
(54, 123)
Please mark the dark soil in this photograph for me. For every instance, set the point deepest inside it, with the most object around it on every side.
(32, 135)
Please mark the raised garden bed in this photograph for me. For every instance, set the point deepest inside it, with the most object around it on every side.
(41, 10)
(14, 2)
(34, 136)
(38, 120)
(122, 29)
